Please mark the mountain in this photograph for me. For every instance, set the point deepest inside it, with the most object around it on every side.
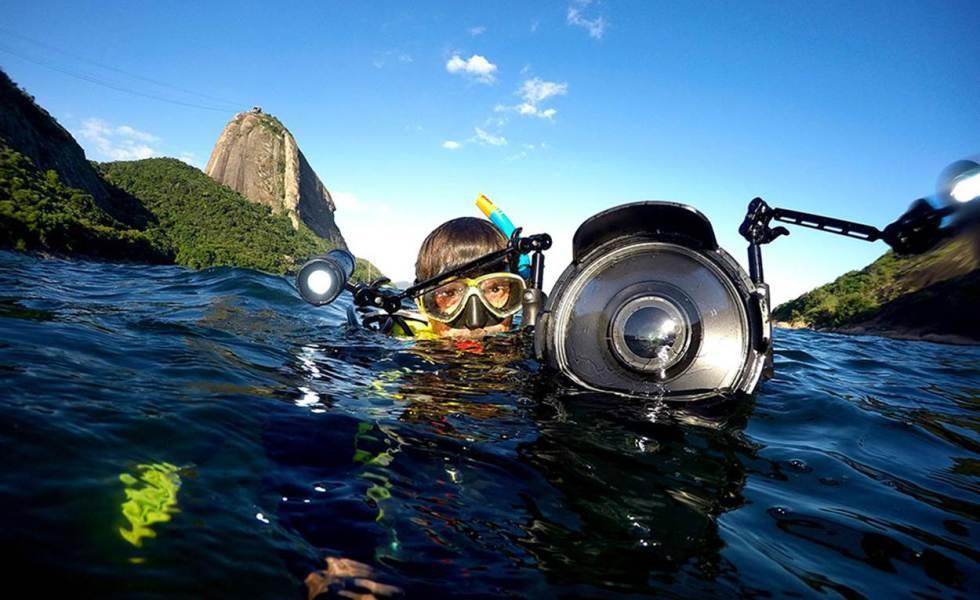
(156, 210)
(934, 295)
(257, 156)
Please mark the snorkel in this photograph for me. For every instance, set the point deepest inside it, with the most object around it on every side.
(506, 227)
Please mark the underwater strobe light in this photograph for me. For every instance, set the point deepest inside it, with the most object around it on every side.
(320, 280)
(652, 306)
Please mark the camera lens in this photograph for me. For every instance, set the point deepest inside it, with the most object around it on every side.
(650, 334)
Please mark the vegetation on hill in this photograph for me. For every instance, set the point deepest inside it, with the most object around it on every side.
(196, 222)
(40, 213)
(857, 296)
(209, 224)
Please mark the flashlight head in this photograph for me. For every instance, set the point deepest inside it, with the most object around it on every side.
(651, 306)
(320, 280)
(959, 183)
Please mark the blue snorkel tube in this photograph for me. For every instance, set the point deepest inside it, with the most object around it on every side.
(500, 220)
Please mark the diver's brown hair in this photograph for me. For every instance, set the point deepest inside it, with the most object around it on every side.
(455, 243)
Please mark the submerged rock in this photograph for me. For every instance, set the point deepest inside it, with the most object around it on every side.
(258, 157)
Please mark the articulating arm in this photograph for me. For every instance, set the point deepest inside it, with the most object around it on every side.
(914, 232)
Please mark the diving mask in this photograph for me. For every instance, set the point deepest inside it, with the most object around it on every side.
(479, 302)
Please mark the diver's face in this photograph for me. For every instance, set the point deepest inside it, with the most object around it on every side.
(473, 307)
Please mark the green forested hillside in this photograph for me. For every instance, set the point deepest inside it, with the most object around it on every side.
(858, 296)
(209, 224)
(39, 212)
(196, 222)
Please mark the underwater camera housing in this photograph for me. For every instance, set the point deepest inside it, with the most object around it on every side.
(652, 306)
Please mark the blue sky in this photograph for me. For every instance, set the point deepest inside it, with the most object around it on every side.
(556, 111)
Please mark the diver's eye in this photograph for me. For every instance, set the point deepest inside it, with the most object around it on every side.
(448, 296)
(496, 292)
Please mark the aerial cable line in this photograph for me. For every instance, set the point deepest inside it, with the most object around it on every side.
(110, 85)
(121, 71)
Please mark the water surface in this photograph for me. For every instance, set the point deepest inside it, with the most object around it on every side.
(170, 433)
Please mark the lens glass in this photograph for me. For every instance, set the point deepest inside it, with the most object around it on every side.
(320, 281)
(445, 301)
(501, 294)
(650, 333)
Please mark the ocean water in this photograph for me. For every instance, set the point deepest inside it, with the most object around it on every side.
(170, 433)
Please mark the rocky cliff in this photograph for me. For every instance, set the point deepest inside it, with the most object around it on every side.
(29, 130)
(257, 156)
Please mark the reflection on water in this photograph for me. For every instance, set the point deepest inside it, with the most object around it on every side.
(222, 423)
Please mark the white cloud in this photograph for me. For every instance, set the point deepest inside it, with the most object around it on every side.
(475, 31)
(365, 221)
(534, 91)
(483, 137)
(528, 110)
(496, 122)
(475, 66)
(118, 143)
(596, 26)
(537, 90)
(126, 130)
(451, 145)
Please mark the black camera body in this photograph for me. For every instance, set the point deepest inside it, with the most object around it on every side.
(651, 306)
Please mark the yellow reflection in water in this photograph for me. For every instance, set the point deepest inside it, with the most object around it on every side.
(151, 497)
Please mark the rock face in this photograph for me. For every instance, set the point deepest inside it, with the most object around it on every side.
(258, 157)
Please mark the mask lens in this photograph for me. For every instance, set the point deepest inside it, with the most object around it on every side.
(501, 295)
(446, 301)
